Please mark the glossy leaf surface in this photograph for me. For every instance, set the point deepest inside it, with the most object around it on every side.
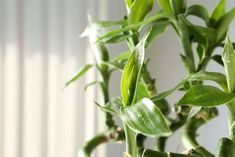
(205, 96)
(146, 118)
(228, 58)
(131, 73)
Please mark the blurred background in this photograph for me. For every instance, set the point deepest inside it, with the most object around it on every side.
(40, 50)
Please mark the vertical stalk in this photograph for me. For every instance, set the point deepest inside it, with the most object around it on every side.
(131, 145)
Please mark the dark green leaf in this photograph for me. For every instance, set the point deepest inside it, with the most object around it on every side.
(145, 117)
(139, 10)
(199, 11)
(131, 72)
(224, 23)
(79, 74)
(218, 59)
(179, 6)
(229, 64)
(157, 29)
(226, 148)
(205, 96)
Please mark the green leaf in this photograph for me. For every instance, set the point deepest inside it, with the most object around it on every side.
(107, 109)
(228, 58)
(223, 24)
(157, 29)
(205, 96)
(129, 3)
(168, 92)
(211, 76)
(139, 10)
(146, 118)
(131, 72)
(116, 39)
(122, 56)
(165, 5)
(151, 19)
(79, 74)
(91, 84)
(219, 10)
(226, 148)
(179, 6)
(199, 11)
(218, 59)
(142, 91)
(184, 36)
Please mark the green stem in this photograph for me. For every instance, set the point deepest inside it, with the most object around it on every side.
(189, 135)
(231, 115)
(131, 145)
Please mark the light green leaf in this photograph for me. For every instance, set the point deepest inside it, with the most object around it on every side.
(122, 56)
(228, 58)
(160, 15)
(219, 10)
(199, 11)
(142, 91)
(146, 118)
(211, 76)
(139, 10)
(223, 24)
(79, 74)
(131, 72)
(165, 5)
(129, 3)
(157, 29)
(205, 96)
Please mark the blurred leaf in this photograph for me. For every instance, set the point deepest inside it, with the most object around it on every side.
(153, 153)
(165, 5)
(139, 10)
(129, 3)
(146, 118)
(178, 6)
(122, 56)
(79, 74)
(229, 64)
(117, 38)
(225, 147)
(222, 25)
(157, 29)
(151, 19)
(205, 96)
(199, 11)
(194, 110)
(91, 84)
(106, 109)
(219, 10)
(131, 72)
